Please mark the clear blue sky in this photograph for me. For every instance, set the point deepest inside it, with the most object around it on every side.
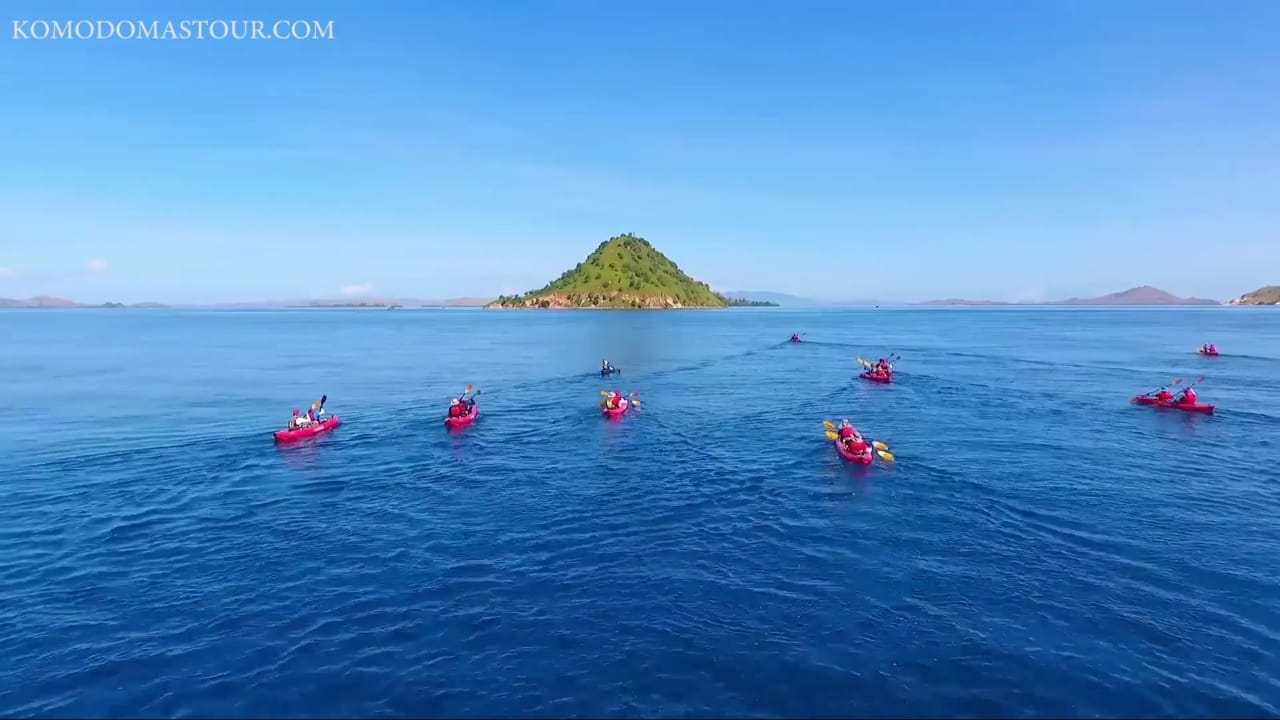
(845, 150)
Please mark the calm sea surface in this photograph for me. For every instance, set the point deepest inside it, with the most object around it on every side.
(1040, 547)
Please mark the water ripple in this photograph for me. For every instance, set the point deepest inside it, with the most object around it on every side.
(708, 555)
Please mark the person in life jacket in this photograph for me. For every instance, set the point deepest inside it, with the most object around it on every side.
(606, 368)
(613, 401)
(852, 439)
(1164, 395)
(461, 406)
(883, 368)
(298, 422)
(1188, 397)
(1213, 349)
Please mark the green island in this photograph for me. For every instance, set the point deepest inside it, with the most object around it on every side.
(1269, 295)
(624, 272)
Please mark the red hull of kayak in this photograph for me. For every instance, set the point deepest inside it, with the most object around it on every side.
(1197, 408)
(856, 459)
(465, 419)
(618, 411)
(876, 377)
(1210, 354)
(306, 432)
(796, 339)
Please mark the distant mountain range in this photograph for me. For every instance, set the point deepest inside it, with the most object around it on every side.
(780, 299)
(1138, 296)
(1144, 295)
(45, 301)
(786, 300)
(349, 302)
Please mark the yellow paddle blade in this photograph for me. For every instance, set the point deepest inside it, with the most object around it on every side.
(828, 425)
(888, 456)
(879, 445)
(604, 393)
(831, 435)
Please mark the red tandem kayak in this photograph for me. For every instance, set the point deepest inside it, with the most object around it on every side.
(1188, 407)
(310, 431)
(618, 411)
(463, 419)
(1206, 352)
(796, 338)
(864, 459)
(876, 377)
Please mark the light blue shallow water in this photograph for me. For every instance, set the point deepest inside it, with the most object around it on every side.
(1041, 547)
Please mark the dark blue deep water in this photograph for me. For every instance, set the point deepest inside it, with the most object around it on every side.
(1040, 547)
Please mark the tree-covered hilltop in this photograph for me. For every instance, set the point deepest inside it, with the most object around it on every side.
(738, 302)
(1269, 295)
(623, 272)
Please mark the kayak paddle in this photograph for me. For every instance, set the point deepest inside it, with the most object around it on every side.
(631, 398)
(879, 446)
(832, 426)
(891, 360)
(1176, 382)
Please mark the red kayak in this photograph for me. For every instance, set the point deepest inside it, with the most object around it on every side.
(1207, 352)
(309, 431)
(864, 459)
(1187, 407)
(618, 411)
(877, 377)
(463, 419)
(796, 338)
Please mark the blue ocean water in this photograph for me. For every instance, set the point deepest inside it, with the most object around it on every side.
(1039, 548)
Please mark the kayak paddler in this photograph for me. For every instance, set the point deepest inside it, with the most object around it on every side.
(851, 438)
(1188, 396)
(606, 368)
(1163, 395)
(298, 420)
(460, 406)
(317, 409)
(614, 401)
(883, 367)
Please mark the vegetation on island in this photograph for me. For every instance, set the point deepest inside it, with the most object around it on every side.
(623, 272)
(1269, 295)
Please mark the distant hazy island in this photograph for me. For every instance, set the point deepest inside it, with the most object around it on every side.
(1144, 295)
(625, 272)
(1269, 295)
(45, 301)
